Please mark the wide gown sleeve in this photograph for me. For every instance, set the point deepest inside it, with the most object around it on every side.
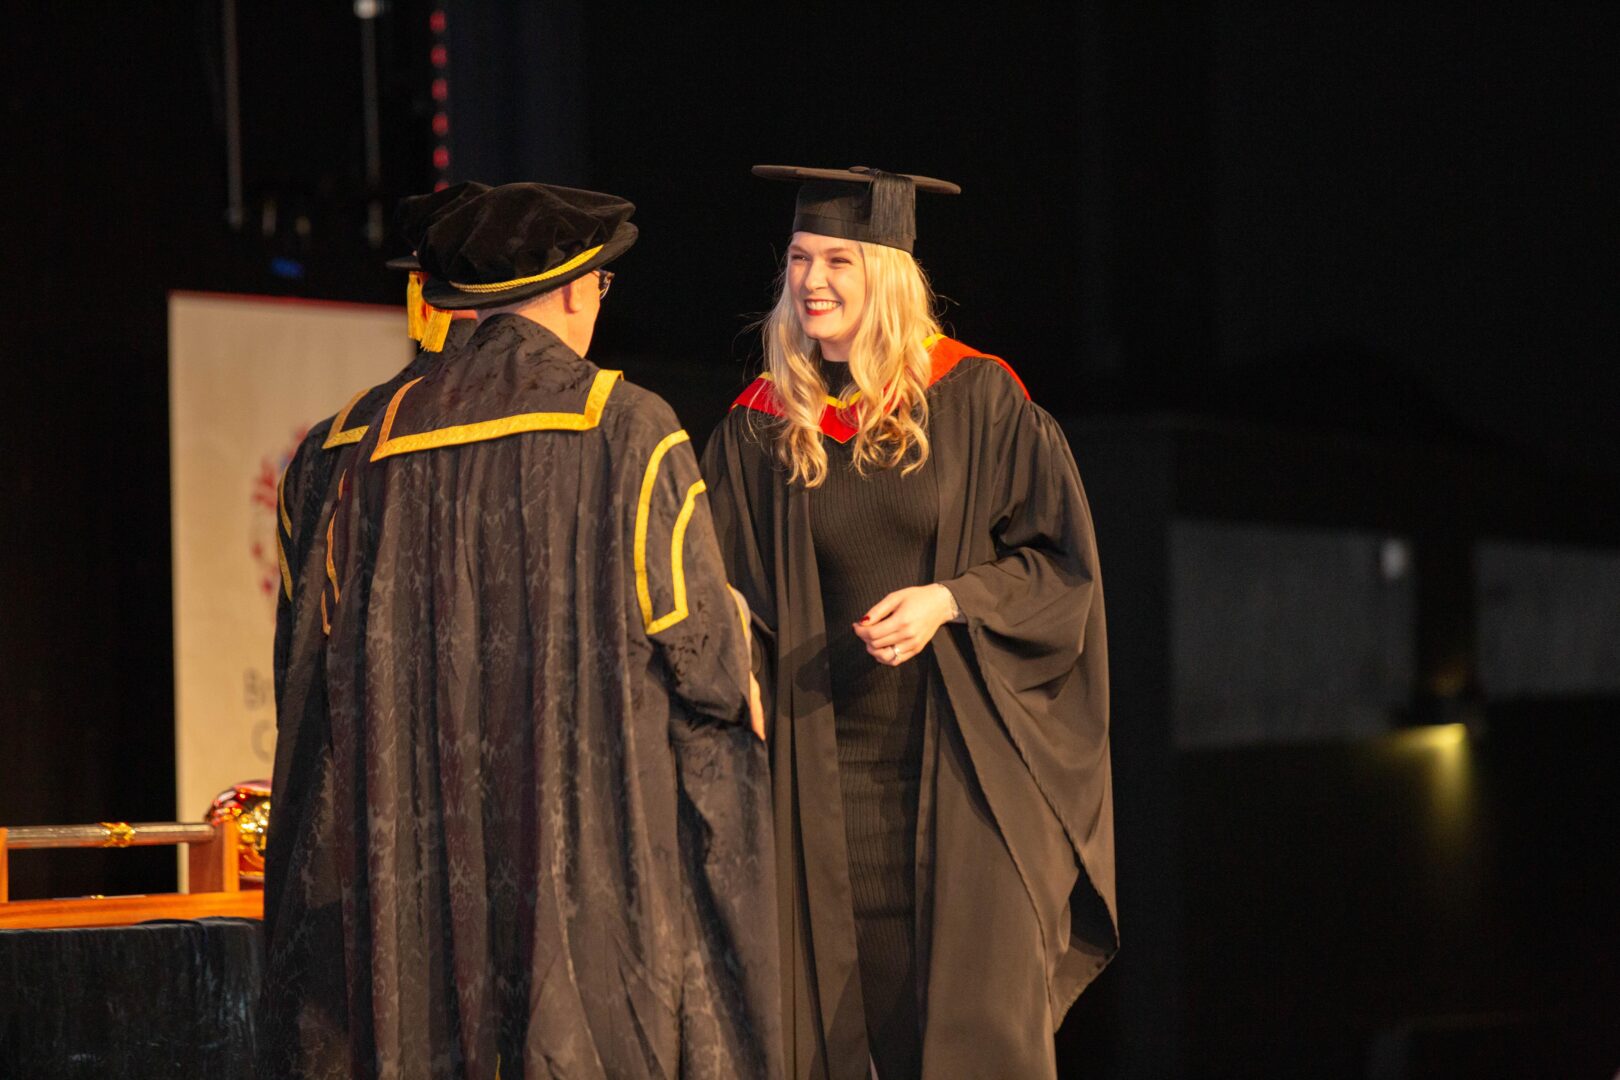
(290, 498)
(687, 609)
(1029, 606)
(281, 655)
(730, 1019)
(1034, 614)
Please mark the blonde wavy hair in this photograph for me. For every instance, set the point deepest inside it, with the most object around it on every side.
(888, 364)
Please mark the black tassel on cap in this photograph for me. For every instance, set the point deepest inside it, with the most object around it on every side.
(893, 215)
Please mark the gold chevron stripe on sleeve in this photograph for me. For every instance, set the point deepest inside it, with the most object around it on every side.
(338, 435)
(677, 559)
(654, 624)
(331, 568)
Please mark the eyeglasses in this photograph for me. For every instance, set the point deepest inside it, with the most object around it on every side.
(604, 282)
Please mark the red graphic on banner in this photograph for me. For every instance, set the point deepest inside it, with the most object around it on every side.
(264, 497)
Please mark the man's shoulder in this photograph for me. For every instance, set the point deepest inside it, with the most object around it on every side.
(314, 439)
(307, 455)
(637, 413)
(349, 425)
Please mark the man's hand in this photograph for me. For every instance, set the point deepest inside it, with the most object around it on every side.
(902, 623)
(756, 711)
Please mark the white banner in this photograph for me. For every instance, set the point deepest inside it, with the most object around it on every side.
(247, 376)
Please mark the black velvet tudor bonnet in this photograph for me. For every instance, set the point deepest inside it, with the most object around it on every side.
(415, 212)
(519, 240)
(425, 324)
(858, 203)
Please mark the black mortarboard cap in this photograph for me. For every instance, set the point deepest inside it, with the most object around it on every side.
(858, 203)
(519, 240)
(414, 213)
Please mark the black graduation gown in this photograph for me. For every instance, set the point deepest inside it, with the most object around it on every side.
(551, 815)
(302, 1028)
(1015, 860)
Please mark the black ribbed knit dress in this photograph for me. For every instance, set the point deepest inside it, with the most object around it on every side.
(875, 534)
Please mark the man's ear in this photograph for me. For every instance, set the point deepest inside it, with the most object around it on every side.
(574, 293)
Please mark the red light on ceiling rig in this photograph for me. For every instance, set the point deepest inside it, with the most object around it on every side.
(440, 57)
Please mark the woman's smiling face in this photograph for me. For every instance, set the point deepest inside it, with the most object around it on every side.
(827, 280)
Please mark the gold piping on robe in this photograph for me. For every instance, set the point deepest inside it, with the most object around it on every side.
(281, 500)
(459, 434)
(677, 540)
(677, 559)
(337, 436)
(331, 569)
(286, 571)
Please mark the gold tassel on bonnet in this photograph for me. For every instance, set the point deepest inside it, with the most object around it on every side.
(427, 325)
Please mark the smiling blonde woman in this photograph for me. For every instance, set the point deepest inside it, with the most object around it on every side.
(910, 532)
(828, 285)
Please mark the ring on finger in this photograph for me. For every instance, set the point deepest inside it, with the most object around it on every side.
(894, 654)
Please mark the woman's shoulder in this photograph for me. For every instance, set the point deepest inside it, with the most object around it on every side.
(962, 371)
(747, 425)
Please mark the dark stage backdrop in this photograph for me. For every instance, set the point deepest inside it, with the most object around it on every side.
(1388, 224)
(115, 193)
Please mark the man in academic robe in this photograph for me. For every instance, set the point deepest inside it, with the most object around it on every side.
(303, 1011)
(552, 821)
